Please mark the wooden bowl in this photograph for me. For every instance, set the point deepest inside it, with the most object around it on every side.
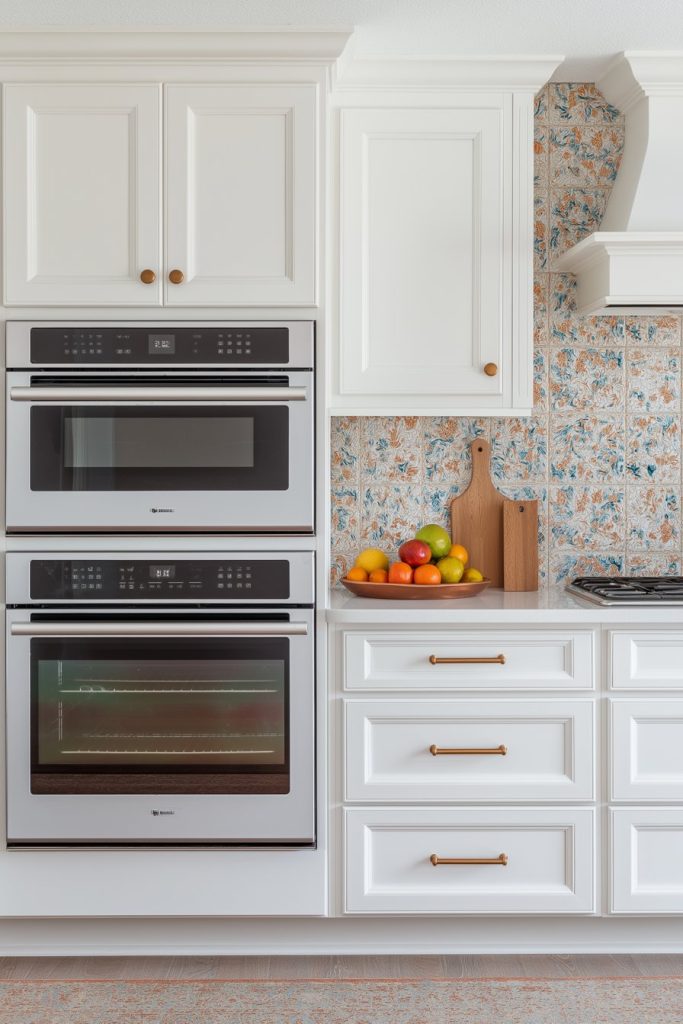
(414, 591)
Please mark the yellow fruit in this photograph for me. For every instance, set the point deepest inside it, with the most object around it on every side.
(458, 551)
(472, 576)
(357, 574)
(371, 559)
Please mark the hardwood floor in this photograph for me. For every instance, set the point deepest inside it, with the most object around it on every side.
(272, 968)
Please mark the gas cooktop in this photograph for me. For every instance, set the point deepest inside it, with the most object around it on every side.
(635, 590)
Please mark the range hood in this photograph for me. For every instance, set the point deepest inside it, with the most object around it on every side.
(634, 263)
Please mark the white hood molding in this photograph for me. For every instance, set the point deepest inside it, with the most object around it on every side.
(635, 262)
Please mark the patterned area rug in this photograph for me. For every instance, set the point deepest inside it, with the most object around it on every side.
(475, 1001)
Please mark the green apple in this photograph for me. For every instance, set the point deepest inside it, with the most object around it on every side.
(451, 569)
(436, 538)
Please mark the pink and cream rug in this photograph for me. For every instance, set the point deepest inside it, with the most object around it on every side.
(403, 1001)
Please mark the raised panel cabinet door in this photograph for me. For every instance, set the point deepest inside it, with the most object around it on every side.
(424, 232)
(82, 194)
(241, 194)
(647, 749)
(647, 860)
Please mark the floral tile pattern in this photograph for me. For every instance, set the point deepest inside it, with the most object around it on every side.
(519, 449)
(586, 379)
(574, 213)
(654, 379)
(654, 449)
(587, 156)
(590, 448)
(603, 451)
(654, 518)
(587, 518)
(391, 448)
(579, 103)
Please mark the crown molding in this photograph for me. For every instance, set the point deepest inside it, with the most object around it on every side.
(519, 73)
(635, 74)
(58, 46)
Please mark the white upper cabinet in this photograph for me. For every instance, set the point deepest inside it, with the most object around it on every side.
(84, 194)
(81, 194)
(435, 239)
(424, 226)
(241, 194)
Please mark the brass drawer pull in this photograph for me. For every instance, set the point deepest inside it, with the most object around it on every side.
(498, 660)
(502, 859)
(502, 749)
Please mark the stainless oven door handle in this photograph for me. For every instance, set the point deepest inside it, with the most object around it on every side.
(177, 628)
(157, 394)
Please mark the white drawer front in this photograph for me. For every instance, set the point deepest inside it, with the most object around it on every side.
(548, 750)
(532, 660)
(652, 660)
(549, 869)
(647, 860)
(647, 749)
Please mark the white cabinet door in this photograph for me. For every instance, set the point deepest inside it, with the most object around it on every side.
(646, 661)
(454, 750)
(647, 860)
(241, 194)
(509, 861)
(82, 194)
(647, 749)
(425, 262)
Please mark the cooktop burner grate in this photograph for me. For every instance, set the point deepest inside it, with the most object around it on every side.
(638, 590)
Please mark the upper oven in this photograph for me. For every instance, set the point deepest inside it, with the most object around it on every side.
(198, 426)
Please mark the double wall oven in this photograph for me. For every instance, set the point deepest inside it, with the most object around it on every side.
(120, 427)
(161, 694)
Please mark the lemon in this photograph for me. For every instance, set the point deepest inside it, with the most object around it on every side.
(472, 576)
(371, 559)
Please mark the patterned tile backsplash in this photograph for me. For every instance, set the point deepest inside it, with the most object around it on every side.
(602, 451)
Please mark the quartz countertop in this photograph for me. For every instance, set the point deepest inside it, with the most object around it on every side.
(542, 607)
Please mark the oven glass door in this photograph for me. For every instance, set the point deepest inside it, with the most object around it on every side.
(160, 714)
(159, 447)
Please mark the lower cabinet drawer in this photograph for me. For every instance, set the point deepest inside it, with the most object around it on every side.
(647, 860)
(459, 750)
(512, 861)
(647, 749)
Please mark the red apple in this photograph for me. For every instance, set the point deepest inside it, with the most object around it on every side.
(415, 552)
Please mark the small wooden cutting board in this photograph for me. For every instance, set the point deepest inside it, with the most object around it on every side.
(477, 517)
(520, 543)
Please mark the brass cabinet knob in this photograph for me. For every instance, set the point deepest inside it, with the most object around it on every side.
(176, 277)
(148, 277)
(490, 369)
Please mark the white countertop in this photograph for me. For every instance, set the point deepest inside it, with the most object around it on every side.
(547, 606)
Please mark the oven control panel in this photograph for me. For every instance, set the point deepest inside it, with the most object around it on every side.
(159, 346)
(107, 579)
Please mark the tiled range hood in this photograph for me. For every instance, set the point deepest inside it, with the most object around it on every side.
(635, 262)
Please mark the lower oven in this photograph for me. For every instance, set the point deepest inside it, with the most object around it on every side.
(160, 699)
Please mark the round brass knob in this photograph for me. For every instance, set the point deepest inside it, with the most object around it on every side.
(148, 277)
(176, 277)
(490, 369)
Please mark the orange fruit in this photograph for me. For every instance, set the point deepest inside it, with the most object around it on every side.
(378, 576)
(458, 551)
(427, 575)
(357, 574)
(399, 572)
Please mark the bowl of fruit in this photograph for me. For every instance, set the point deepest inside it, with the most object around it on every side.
(429, 566)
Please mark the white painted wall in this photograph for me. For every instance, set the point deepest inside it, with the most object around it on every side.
(587, 32)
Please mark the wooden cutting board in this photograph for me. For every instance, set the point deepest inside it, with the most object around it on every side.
(520, 544)
(477, 517)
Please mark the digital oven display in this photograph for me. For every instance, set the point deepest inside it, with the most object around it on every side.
(162, 572)
(161, 344)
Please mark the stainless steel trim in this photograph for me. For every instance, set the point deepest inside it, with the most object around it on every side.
(605, 602)
(177, 628)
(158, 394)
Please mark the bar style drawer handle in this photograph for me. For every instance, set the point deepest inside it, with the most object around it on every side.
(502, 859)
(156, 394)
(498, 660)
(177, 628)
(435, 751)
